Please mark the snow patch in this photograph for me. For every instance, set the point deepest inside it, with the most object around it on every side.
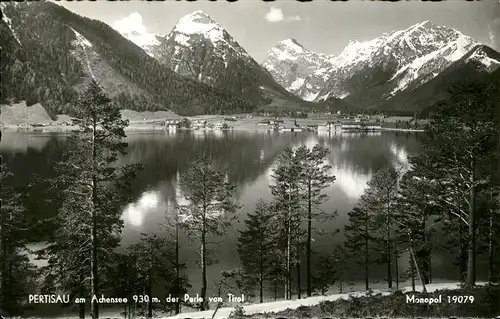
(182, 39)
(285, 55)
(297, 84)
(356, 52)
(81, 39)
(462, 47)
(8, 21)
(291, 44)
(481, 57)
(407, 40)
(310, 96)
(84, 44)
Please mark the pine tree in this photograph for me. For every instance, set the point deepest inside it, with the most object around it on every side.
(315, 177)
(415, 206)
(153, 257)
(359, 238)
(123, 279)
(255, 245)
(179, 286)
(325, 276)
(15, 267)
(94, 189)
(339, 256)
(210, 209)
(287, 207)
(462, 138)
(379, 198)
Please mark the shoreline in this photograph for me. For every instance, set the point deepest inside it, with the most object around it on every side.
(158, 129)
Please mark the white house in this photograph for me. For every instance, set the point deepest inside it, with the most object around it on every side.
(199, 124)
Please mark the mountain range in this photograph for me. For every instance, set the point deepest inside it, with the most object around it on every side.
(199, 68)
(375, 73)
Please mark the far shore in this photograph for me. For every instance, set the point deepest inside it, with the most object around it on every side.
(242, 123)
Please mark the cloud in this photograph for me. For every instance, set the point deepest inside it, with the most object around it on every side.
(131, 24)
(294, 18)
(133, 28)
(494, 34)
(276, 15)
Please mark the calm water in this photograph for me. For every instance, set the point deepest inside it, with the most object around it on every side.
(250, 157)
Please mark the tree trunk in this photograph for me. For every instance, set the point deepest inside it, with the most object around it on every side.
(462, 254)
(261, 276)
(341, 282)
(430, 266)
(150, 302)
(93, 232)
(299, 296)
(367, 261)
(412, 272)
(203, 264)
(490, 250)
(177, 265)
(276, 286)
(288, 247)
(396, 264)
(309, 238)
(424, 289)
(471, 247)
(388, 251)
(3, 261)
(81, 306)
(426, 254)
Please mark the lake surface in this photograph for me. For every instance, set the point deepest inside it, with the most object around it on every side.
(250, 157)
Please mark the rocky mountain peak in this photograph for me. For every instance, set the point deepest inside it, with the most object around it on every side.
(485, 56)
(292, 43)
(198, 22)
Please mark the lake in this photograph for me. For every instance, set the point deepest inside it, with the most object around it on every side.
(250, 157)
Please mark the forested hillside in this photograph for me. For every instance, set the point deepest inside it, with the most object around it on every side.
(49, 54)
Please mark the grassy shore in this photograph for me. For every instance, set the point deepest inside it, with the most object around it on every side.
(149, 122)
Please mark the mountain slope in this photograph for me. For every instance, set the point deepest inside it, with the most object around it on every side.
(201, 49)
(52, 53)
(479, 65)
(365, 72)
(290, 63)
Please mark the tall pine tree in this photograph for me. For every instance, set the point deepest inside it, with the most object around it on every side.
(380, 199)
(15, 268)
(210, 208)
(315, 177)
(255, 246)
(359, 239)
(462, 141)
(95, 189)
(289, 214)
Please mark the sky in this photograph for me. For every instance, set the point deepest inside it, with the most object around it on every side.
(320, 26)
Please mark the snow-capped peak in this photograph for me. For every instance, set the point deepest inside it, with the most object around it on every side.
(198, 22)
(481, 56)
(411, 56)
(292, 44)
(356, 52)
